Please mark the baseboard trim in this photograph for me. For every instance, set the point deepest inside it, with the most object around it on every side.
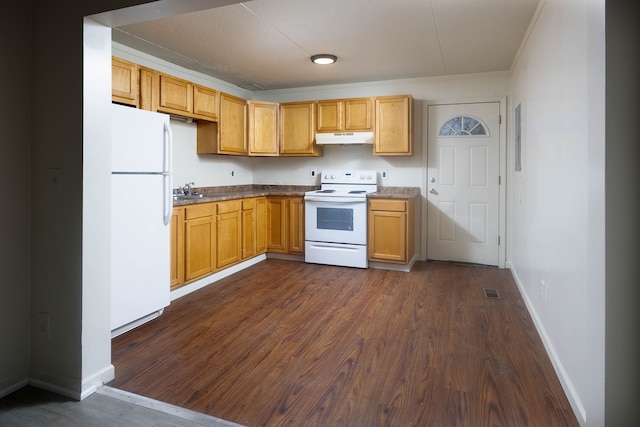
(565, 381)
(15, 386)
(68, 386)
(212, 278)
(156, 405)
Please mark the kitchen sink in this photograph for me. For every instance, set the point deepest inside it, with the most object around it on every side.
(187, 196)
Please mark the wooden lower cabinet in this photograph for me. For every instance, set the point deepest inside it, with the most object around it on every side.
(229, 238)
(249, 229)
(200, 240)
(277, 224)
(208, 237)
(177, 248)
(261, 225)
(296, 225)
(391, 230)
(285, 224)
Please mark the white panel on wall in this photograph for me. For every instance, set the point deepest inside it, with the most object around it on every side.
(446, 221)
(447, 162)
(478, 222)
(478, 166)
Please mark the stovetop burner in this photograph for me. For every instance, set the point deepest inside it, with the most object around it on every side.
(354, 184)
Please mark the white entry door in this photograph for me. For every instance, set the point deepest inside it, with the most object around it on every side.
(463, 189)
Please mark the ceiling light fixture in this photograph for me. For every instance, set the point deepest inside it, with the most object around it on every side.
(324, 59)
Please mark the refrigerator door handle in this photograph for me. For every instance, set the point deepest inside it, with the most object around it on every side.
(167, 179)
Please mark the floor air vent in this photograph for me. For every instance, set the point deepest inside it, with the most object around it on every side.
(491, 293)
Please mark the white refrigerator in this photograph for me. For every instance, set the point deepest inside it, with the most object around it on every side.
(141, 207)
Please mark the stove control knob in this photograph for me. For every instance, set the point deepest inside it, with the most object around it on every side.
(362, 177)
(333, 177)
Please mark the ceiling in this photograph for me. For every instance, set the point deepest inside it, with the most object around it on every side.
(266, 44)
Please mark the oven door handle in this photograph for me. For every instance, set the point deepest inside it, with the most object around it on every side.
(336, 200)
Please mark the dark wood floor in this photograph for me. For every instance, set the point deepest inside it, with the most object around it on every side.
(289, 343)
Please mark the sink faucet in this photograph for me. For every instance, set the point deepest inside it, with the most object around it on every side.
(187, 188)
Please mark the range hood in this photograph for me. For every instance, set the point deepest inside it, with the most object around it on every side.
(344, 138)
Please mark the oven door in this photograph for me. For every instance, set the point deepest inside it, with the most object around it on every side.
(336, 219)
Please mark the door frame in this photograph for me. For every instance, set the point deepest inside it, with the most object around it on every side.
(502, 208)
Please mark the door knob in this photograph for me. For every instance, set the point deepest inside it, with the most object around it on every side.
(433, 191)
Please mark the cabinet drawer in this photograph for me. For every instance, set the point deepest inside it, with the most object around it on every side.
(229, 206)
(388, 205)
(200, 210)
(248, 204)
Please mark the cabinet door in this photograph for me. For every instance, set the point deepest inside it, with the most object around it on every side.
(200, 247)
(206, 103)
(296, 225)
(263, 128)
(329, 116)
(176, 95)
(358, 114)
(261, 225)
(277, 224)
(297, 130)
(248, 228)
(387, 236)
(177, 248)
(232, 125)
(149, 89)
(124, 81)
(394, 126)
(229, 239)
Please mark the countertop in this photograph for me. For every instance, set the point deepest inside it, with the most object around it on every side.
(218, 194)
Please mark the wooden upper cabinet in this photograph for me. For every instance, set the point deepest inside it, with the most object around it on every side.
(394, 126)
(176, 95)
(297, 129)
(124, 81)
(149, 89)
(206, 103)
(232, 125)
(355, 114)
(263, 128)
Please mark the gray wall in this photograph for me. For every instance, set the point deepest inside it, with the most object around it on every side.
(15, 230)
(622, 380)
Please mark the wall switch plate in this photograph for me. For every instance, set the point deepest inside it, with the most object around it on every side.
(384, 174)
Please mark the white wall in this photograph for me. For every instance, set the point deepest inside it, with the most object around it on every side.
(556, 209)
(205, 170)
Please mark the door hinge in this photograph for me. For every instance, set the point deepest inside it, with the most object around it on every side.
(499, 179)
(499, 119)
(498, 240)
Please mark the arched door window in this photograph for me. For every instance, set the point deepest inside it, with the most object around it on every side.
(463, 126)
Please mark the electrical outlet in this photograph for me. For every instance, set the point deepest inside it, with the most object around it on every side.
(312, 173)
(384, 174)
(233, 173)
(42, 323)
